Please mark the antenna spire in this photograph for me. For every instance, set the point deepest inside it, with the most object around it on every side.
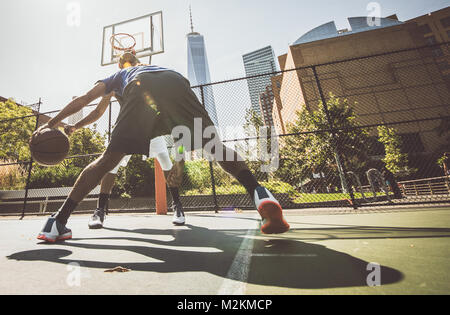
(192, 23)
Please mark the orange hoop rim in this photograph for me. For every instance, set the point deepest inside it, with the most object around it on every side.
(131, 48)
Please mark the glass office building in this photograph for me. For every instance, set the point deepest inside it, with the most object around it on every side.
(259, 62)
(198, 72)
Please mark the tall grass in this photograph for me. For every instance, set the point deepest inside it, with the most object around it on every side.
(12, 177)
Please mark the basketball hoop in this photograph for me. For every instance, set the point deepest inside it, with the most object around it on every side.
(123, 42)
(142, 36)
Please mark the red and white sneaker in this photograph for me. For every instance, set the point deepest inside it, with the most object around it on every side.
(271, 212)
(54, 231)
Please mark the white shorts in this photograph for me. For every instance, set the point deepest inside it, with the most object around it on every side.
(157, 146)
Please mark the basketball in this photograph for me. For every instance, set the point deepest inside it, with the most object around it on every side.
(49, 147)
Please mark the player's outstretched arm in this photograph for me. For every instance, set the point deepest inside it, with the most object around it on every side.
(93, 116)
(77, 104)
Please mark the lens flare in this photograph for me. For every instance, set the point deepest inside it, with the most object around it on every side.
(150, 102)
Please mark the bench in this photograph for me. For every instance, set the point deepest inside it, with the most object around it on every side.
(42, 196)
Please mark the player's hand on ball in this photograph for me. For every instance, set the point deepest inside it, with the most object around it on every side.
(39, 130)
(69, 130)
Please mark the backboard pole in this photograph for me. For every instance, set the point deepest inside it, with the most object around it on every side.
(160, 190)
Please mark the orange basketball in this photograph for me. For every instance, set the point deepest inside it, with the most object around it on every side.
(49, 147)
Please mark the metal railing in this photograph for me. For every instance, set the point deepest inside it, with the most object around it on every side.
(439, 186)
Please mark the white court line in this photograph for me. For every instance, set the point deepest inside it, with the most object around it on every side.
(284, 255)
(237, 276)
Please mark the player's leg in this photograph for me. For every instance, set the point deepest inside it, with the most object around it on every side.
(55, 227)
(158, 150)
(268, 207)
(98, 218)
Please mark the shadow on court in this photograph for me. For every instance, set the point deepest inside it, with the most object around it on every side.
(284, 262)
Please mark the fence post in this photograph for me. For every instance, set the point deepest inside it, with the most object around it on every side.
(341, 169)
(211, 169)
(30, 165)
(109, 137)
(109, 122)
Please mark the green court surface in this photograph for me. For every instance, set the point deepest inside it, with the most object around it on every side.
(326, 252)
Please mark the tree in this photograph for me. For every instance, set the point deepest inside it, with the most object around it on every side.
(137, 179)
(313, 148)
(253, 120)
(83, 142)
(15, 133)
(395, 161)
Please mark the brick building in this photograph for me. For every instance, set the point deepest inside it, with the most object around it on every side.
(408, 85)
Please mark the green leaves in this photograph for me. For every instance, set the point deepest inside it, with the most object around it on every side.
(15, 134)
(313, 149)
(396, 161)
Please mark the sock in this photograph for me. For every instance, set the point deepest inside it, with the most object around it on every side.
(65, 211)
(175, 194)
(103, 201)
(248, 180)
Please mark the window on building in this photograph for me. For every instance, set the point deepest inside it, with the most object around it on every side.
(425, 29)
(446, 22)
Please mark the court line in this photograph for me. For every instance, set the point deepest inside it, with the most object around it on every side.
(237, 276)
(284, 255)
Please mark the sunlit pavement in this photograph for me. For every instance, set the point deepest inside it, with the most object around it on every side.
(384, 251)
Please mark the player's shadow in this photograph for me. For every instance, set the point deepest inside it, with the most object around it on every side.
(278, 262)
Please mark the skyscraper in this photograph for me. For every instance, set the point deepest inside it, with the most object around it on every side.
(259, 62)
(266, 105)
(198, 70)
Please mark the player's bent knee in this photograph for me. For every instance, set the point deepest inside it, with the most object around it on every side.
(108, 161)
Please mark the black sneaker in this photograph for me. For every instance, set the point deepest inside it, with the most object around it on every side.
(178, 214)
(96, 221)
(54, 231)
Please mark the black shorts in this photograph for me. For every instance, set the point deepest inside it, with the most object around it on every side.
(153, 104)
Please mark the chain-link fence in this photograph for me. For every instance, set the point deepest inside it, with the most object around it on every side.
(352, 133)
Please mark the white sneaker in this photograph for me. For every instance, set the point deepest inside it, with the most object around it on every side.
(96, 221)
(178, 214)
(54, 231)
(271, 212)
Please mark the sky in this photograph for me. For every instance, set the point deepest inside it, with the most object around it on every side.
(47, 54)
